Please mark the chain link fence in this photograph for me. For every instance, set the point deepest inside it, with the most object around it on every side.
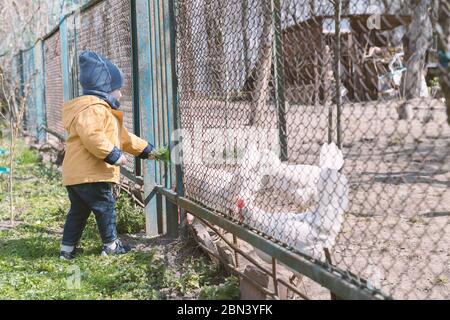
(54, 97)
(322, 125)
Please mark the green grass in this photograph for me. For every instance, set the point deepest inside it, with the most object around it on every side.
(27, 156)
(30, 269)
(29, 263)
(225, 291)
(130, 217)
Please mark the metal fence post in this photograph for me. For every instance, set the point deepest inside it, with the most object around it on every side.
(278, 62)
(40, 91)
(158, 101)
(337, 69)
(140, 15)
(29, 77)
(173, 117)
(65, 59)
(135, 65)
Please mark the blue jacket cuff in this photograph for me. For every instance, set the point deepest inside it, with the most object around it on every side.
(113, 156)
(146, 152)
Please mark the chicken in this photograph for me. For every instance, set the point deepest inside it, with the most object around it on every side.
(309, 231)
(313, 230)
(296, 183)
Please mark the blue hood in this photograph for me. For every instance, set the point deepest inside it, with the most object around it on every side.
(99, 77)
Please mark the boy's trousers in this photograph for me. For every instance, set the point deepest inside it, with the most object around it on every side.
(84, 198)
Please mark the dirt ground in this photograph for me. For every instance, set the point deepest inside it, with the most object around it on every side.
(396, 232)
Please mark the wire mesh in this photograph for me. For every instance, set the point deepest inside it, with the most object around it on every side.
(73, 67)
(106, 29)
(322, 124)
(54, 97)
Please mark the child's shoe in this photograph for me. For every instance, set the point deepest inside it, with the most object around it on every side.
(66, 255)
(117, 247)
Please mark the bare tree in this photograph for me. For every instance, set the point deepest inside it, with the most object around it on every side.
(23, 22)
(262, 71)
(418, 40)
(245, 40)
(185, 55)
(13, 114)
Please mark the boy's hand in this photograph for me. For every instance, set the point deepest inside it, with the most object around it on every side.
(160, 154)
(121, 161)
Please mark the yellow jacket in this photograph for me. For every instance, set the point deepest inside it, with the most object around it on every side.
(94, 129)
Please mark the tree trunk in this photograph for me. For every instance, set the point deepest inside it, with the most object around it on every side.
(263, 67)
(418, 40)
(213, 12)
(186, 56)
(345, 7)
(244, 26)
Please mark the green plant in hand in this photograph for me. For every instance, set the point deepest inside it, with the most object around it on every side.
(435, 82)
(160, 154)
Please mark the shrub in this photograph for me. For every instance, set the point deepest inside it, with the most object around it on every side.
(28, 156)
(228, 290)
(130, 218)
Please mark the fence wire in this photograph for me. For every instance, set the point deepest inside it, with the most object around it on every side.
(54, 97)
(322, 125)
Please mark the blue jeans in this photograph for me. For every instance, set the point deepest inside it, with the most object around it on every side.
(84, 198)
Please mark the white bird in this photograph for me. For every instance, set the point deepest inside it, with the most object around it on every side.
(296, 183)
(309, 231)
(313, 230)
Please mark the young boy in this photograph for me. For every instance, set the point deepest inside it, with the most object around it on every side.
(95, 145)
